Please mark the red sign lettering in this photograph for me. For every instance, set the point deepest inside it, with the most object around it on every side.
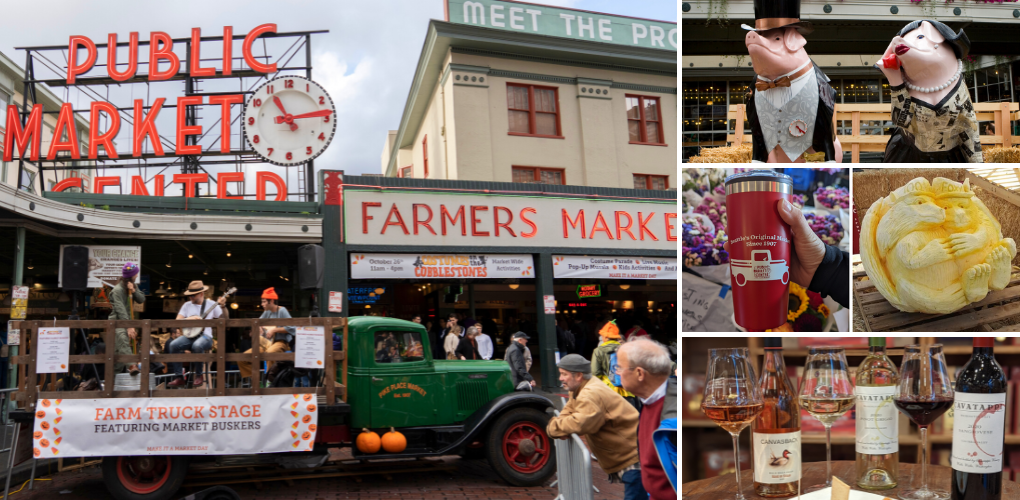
(365, 217)
(573, 223)
(444, 216)
(425, 222)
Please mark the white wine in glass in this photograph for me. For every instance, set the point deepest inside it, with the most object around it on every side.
(826, 393)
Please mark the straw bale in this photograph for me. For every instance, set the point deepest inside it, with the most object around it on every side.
(999, 154)
(725, 154)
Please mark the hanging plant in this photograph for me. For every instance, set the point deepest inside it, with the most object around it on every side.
(717, 9)
(969, 65)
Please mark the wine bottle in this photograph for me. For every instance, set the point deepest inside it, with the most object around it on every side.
(979, 426)
(775, 434)
(878, 454)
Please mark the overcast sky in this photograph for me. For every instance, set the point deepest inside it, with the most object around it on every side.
(366, 61)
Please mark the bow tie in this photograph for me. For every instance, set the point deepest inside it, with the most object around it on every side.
(781, 82)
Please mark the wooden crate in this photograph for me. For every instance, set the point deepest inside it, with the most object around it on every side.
(881, 316)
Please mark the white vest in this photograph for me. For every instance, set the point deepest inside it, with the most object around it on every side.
(775, 122)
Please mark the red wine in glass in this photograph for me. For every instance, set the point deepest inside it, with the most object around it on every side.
(925, 412)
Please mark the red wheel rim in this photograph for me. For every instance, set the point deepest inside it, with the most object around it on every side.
(741, 279)
(786, 278)
(512, 453)
(143, 475)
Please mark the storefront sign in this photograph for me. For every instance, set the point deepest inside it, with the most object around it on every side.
(309, 347)
(564, 23)
(106, 264)
(336, 302)
(19, 302)
(235, 425)
(54, 346)
(632, 268)
(435, 219)
(589, 291)
(549, 302)
(368, 266)
(365, 294)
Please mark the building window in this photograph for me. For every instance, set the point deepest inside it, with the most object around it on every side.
(535, 175)
(651, 182)
(407, 172)
(644, 121)
(533, 110)
(28, 181)
(425, 155)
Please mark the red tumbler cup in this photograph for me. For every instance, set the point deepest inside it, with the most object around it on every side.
(759, 248)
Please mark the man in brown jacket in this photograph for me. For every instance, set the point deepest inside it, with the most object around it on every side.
(607, 421)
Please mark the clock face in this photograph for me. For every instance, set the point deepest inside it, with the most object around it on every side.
(289, 120)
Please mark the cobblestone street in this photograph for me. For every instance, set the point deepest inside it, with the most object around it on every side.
(472, 479)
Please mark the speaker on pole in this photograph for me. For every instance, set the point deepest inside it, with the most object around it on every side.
(75, 269)
(311, 266)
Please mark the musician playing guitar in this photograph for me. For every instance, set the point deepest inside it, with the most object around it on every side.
(194, 339)
(273, 339)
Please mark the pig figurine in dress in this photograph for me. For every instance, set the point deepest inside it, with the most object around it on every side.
(931, 107)
(790, 105)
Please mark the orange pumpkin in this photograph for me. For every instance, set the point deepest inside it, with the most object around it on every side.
(305, 419)
(45, 443)
(368, 442)
(36, 452)
(394, 442)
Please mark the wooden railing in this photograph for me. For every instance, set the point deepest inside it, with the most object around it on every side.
(28, 392)
(1001, 113)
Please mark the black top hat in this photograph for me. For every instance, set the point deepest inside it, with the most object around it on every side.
(772, 14)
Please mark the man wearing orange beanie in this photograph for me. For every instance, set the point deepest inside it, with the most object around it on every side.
(603, 357)
(274, 338)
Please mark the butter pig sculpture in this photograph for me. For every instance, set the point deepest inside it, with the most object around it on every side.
(931, 107)
(934, 248)
(791, 103)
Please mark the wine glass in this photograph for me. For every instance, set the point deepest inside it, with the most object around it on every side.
(924, 393)
(826, 393)
(732, 396)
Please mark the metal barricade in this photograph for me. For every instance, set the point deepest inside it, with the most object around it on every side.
(6, 426)
(573, 469)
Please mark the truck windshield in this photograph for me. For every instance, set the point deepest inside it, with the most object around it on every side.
(398, 347)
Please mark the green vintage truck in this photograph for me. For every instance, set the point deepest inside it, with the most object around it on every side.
(441, 407)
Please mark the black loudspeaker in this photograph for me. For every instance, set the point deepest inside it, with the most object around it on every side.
(75, 269)
(311, 266)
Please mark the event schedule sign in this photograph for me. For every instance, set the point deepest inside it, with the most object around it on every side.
(309, 347)
(633, 268)
(174, 426)
(386, 265)
(106, 264)
(52, 354)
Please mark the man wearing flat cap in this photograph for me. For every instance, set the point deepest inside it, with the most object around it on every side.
(607, 421)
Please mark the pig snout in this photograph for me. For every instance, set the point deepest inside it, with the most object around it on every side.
(752, 38)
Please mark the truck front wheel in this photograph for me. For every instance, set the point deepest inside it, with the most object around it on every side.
(147, 477)
(519, 449)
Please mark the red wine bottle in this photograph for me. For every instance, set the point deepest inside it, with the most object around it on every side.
(979, 425)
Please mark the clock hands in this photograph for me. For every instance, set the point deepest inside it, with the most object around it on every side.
(313, 114)
(287, 116)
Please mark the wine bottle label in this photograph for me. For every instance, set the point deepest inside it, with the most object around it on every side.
(878, 425)
(776, 457)
(978, 427)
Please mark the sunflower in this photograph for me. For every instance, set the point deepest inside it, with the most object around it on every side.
(798, 302)
(824, 310)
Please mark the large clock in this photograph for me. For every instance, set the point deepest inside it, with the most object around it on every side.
(289, 120)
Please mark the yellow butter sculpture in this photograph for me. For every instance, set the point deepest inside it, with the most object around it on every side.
(934, 247)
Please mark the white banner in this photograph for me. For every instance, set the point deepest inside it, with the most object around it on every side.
(231, 425)
(628, 268)
(54, 345)
(106, 263)
(438, 219)
(310, 347)
(391, 265)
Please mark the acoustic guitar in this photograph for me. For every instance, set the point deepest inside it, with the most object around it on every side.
(194, 332)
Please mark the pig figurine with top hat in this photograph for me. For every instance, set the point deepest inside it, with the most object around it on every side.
(791, 103)
(931, 107)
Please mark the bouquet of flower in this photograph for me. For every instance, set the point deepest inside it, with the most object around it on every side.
(833, 198)
(715, 211)
(807, 311)
(832, 171)
(700, 246)
(826, 227)
(703, 180)
(798, 200)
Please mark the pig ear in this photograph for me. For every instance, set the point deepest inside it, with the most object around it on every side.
(793, 40)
